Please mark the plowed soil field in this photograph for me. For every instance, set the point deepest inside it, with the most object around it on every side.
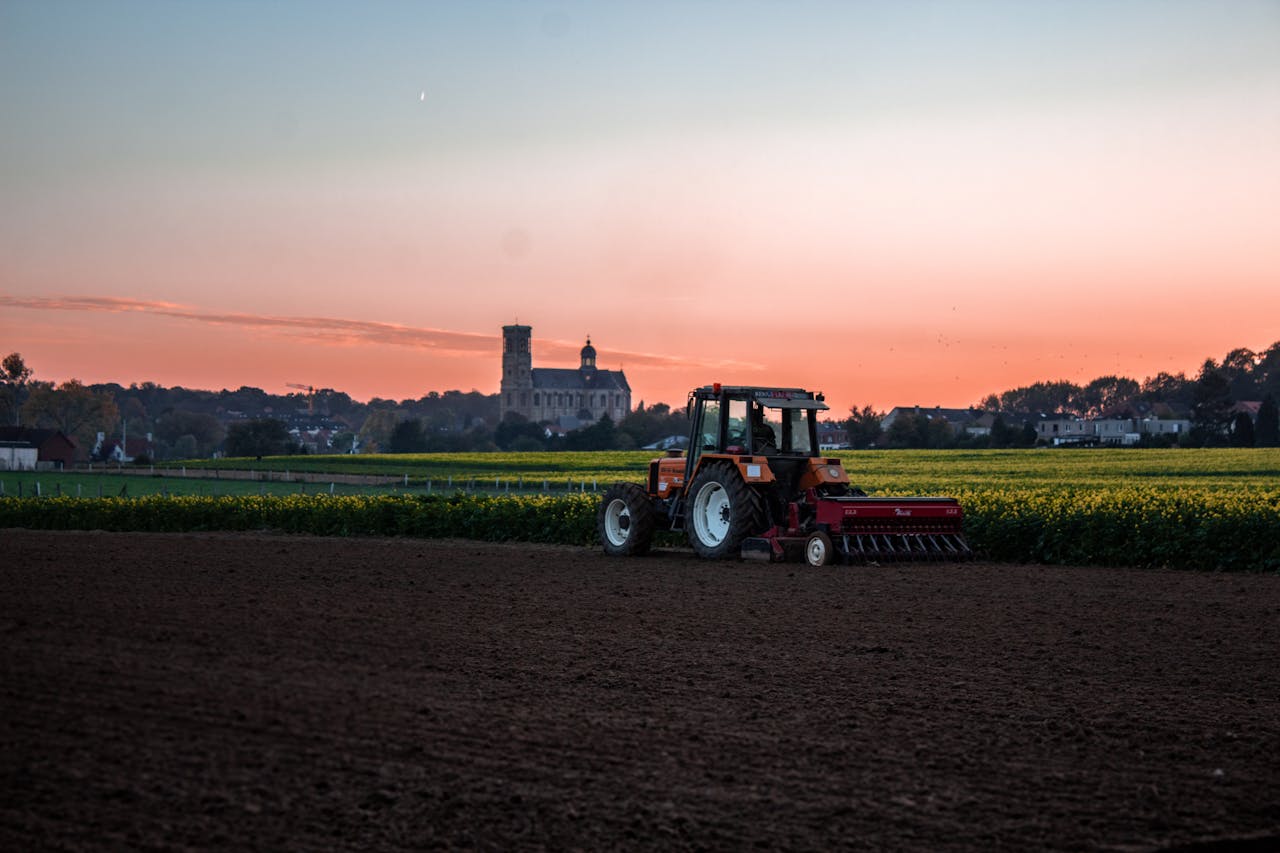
(206, 691)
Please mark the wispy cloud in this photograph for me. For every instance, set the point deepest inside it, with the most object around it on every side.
(334, 331)
(323, 330)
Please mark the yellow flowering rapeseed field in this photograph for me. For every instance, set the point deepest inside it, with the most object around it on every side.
(1200, 509)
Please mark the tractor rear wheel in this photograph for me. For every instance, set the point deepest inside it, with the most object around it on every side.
(625, 521)
(721, 511)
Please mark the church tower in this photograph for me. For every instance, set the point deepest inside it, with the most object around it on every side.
(517, 370)
(588, 366)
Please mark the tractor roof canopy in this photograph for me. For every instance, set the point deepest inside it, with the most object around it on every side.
(774, 398)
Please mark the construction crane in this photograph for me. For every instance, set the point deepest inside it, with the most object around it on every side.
(311, 395)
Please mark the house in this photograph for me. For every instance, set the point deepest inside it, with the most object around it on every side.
(671, 442)
(960, 420)
(981, 425)
(1125, 431)
(315, 439)
(1248, 407)
(17, 456)
(113, 450)
(1164, 426)
(1116, 430)
(832, 437)
(53, 449)
(1064, 430)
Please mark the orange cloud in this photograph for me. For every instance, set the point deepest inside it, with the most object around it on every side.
(333, 331)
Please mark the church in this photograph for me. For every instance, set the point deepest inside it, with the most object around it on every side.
(562, 396)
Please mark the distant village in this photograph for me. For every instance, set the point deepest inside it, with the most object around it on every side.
(1229, 403)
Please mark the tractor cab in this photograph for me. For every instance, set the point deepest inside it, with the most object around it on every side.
(750, 421)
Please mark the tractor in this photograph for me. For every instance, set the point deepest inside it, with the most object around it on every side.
(753, 485)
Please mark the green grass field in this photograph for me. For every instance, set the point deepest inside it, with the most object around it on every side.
(876, 471)
(601, 465)
(1042, 472)
(76, 484)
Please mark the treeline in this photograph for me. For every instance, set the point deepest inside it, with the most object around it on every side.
(1213, 401)
(1242, 375)
(187, 423)
(642, 427)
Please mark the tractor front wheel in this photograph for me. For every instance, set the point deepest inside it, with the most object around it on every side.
(625, 520)
(721, 511)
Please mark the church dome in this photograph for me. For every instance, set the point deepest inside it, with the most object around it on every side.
(588, 356)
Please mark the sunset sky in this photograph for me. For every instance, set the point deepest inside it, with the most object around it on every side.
(896, 203)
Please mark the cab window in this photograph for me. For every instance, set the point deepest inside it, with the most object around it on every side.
(798, 429)
(738, 427)
(710, 425)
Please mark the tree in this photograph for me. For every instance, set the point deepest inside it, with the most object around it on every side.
(601, 435)
(206, 432)
(517, 432)
(1242, 430)
(1266, 432)
(133, 415)
(185, 447)
(863, 427)
(14, 376)
(258, 437)
(646, 426)
(1002, 435)
(79, 412)
(1027, 437)
(343, 442)
(1104, 393)
(1211, 407)
(375, 434)
(918, 430)
(1041, 397)
(1173, 389)
(1238, 369)
(332, 403)
(407, 437)
(1267, 371)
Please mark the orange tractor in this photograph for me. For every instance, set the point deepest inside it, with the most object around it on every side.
(754, 485)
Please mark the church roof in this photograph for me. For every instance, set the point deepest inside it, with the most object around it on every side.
(572, 379)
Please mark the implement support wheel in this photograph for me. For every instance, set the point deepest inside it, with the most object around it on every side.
(818, 550)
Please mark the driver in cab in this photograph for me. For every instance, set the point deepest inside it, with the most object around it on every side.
(763, 438)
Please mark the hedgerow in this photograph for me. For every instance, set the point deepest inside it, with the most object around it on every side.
(1127, 526)
(568, 519)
